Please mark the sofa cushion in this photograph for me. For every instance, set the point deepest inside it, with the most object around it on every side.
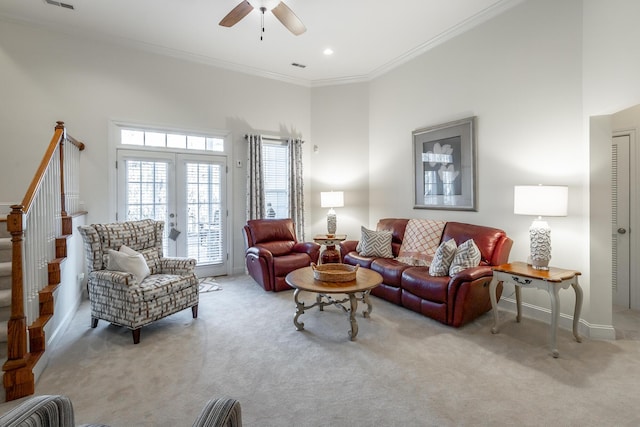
(285, 264)
(421, 239)
(390, 270)
(129, 261)
(442, 259)
(488, 240)
(278, 247)
(467, 256)
(418, 282)
(375, 244)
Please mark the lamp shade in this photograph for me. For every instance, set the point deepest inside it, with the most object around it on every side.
(540, 200)
(331, 199)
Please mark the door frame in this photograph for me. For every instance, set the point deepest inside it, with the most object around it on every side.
(113, 137)
(634, 216)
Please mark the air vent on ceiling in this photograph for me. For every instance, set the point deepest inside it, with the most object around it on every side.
(295, 64)
(60, 4)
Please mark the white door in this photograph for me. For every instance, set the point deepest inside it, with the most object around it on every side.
(187, 191)
(620, 233)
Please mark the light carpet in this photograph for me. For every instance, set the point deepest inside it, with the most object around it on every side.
(403, 370)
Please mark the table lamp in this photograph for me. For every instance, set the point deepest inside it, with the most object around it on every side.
(331, 199)
(540, 200)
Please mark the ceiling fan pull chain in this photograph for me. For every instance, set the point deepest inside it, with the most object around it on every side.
(262, 9)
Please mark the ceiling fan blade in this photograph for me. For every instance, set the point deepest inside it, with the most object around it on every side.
(238, 12)
(289, 19)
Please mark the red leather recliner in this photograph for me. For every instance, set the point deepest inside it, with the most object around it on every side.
(273, 251)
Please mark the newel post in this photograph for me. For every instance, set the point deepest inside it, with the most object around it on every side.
(18, 379)
(67, 224)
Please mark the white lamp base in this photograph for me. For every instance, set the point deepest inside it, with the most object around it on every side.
(331, 222)
(540, 244)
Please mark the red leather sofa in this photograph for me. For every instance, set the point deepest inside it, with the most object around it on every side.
(451, 300)
(273, 251)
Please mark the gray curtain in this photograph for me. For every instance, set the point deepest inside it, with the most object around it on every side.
(296, 187)
(255, 179)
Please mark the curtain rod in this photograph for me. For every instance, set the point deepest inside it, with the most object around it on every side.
(270, 138)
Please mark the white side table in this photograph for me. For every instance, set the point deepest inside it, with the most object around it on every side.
(552, 280)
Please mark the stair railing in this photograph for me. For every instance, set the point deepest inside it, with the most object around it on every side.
(38, 229)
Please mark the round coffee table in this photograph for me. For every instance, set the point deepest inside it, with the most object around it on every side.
(356, 290)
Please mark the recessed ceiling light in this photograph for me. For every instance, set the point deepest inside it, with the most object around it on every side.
(328, 51)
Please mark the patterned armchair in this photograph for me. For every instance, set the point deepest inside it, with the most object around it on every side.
(128, 298)
(57, 411)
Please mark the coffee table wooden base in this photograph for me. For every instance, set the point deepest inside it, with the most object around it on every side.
(343, 295)
(323, 300)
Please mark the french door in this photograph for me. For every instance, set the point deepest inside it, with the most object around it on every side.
(188, 193)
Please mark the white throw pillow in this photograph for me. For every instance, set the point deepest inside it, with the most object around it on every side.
(467, 256)
(375, 243)
(442, 259)
(129, 261)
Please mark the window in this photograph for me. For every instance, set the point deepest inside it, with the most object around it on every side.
(145, 138)
(275, 163)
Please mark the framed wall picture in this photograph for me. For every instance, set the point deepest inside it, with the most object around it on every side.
(445, 166)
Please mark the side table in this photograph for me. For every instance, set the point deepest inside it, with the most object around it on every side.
(552, 280)
(330, 253)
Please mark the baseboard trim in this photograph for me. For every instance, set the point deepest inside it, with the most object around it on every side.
(542, 314)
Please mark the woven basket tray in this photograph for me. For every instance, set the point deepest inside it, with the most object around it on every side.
(334, 272)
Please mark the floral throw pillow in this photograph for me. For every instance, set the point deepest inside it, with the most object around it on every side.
(375, 243)
(442, 259)
(467, 256)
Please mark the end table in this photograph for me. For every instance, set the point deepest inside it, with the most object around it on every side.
(330, 254)
(552, 280)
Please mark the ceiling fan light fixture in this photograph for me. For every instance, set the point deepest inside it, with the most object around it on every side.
(280, 10)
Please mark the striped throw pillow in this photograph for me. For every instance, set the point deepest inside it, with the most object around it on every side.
(375, 243)
(442, 259)
(467, 256)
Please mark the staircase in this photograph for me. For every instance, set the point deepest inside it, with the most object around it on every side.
(33, 246)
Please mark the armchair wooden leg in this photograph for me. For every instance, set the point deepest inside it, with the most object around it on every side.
(94, 322)
(136, 335)
(194, 310)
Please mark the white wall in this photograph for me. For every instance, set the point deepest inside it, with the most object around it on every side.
(49, 76)
(520, 75)
(340, 131)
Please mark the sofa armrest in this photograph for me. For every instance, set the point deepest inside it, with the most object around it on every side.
(49, 410)
(347, 246)
(117, 277)
(472, 273)
(221, 412)
(310, 248)
(258, 252)
(180, 266)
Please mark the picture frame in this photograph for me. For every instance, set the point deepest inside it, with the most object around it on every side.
(445, 166)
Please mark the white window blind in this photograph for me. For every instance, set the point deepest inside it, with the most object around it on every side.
(275, 159)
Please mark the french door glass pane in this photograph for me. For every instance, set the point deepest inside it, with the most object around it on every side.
(204, 205)
(147, 191)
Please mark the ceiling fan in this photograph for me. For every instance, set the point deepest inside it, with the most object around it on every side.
(284, 14)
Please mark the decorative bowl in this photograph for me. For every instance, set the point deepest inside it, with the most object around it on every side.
(334, 272)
